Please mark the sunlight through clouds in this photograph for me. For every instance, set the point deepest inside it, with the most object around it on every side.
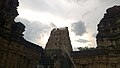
(62, 13)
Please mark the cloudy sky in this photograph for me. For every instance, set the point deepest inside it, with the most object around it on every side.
(80, 16)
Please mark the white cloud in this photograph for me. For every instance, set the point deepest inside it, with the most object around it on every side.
(36, 31)
(82, 40)
(78, 28)
(59, 13)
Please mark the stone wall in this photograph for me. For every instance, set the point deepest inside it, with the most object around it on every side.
(15, 51)
(96, 58)
(18, 53)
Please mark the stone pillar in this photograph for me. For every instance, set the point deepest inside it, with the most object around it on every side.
(24, 62)
(90, 65)
(118, 65)
(11, 60)
(102, 65)
(16, 60)
(95, 65)
(21, 61)
(8, 61)
(57, 64)
(29, 63)
(3, 60)
(32, 64)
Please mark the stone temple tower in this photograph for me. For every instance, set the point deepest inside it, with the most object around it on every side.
(8, 12)
(109, 28)
(58, 49)
(59, 39)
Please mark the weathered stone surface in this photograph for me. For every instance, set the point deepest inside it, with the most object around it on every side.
(15, 51)
(59, 39)
(58, 47)
(109, 28)
(8, 12)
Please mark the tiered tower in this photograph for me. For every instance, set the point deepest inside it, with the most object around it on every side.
(15, 51)
(59, 39)
(58, 49)
(109, 28)
(8, 12)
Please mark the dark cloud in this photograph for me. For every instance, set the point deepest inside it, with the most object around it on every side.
(78, 28)
(82, 40)
(35, 29)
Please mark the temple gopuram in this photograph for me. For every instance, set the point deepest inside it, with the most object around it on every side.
(59, 54)
(15, 51)
(57, 49)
